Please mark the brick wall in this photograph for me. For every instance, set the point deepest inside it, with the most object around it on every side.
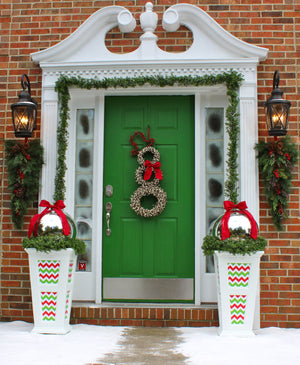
(28, 26)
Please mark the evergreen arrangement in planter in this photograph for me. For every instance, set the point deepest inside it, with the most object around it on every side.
(233, 245)
(55, 242)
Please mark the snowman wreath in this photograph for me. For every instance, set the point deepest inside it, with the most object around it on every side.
(148, 184)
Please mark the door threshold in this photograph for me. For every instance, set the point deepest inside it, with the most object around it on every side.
(91, 304)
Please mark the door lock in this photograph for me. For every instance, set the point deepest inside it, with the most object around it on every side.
(109, 190)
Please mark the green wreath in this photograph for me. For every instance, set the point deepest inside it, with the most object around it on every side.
(24, 163)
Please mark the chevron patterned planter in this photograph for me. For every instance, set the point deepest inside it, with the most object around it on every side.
(237, 285)
(51, 277)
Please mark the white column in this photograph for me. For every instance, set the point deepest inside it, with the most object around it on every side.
(48, 139)
(249, 190)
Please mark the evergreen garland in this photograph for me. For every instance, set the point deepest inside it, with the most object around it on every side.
(233, 130)
(24, 163)
(232, 80)
(276, 161)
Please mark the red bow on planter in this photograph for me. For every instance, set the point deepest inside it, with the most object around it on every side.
(57, 207)
(157, 170)
(241, 208)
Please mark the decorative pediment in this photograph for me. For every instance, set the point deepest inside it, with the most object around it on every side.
(211, 43)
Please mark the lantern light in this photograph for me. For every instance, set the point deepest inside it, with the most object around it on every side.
(24, 111)
(277, 110)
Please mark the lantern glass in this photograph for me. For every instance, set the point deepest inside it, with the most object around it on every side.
(277, 110)
(277, 116)
(24, 119)
(24, 112)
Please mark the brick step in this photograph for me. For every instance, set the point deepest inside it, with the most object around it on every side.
(145, 316)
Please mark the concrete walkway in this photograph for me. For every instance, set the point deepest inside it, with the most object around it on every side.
(151, 346)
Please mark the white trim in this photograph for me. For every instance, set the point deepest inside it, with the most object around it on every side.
(98, 208)
(208, 280)
(199, 181)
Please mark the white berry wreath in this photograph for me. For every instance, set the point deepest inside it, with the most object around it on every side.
(154, 151)
(148, 190)
(149, 184)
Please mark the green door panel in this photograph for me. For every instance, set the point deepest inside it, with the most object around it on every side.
(162, 246)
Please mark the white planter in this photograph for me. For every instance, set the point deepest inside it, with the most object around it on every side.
(51, 277)
(237, 285)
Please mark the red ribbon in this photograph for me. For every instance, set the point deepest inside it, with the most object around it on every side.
(240, 207)
(57, 207)
(156, 167)
(149, 141)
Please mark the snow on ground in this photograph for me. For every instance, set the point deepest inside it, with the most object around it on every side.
(18, 346)
(270, 346)
(202, 346)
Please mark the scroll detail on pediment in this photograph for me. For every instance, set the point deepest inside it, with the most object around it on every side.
(210, 41)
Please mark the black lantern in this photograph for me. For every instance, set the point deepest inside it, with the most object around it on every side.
(24, 111)
(277, 110)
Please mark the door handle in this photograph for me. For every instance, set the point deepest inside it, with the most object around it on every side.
(108, 208)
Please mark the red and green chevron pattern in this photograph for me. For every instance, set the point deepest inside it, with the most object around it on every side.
(49, 301)
(70, 271)
(237, 308)
(48, 271)
(238, 274)
(67, 304)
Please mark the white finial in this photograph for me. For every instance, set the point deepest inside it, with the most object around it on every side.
(148, 19)
(149, 6)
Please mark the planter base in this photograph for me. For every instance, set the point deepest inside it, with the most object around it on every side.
(237, 283)
(235, 333)
(51, 277)
(54, 331)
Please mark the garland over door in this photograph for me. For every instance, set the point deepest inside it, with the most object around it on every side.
(149, 258)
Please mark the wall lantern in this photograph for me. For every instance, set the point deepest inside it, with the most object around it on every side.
(24, 111)
(277, 110)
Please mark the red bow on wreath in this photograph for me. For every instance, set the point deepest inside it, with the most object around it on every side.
(156, 167)
(241, 208)
(57, 207)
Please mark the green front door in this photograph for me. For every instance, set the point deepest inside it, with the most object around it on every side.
(149, 259)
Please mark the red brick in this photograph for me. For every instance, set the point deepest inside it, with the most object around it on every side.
(153, 323)
(271, 24)
(130, 322)
(109, 322)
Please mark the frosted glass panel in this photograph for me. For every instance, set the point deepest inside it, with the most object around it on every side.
(215, 156)
(214, 147)
(85, 124)
(84, 156)
(214, 123)
(84, 184)
(214, 190)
